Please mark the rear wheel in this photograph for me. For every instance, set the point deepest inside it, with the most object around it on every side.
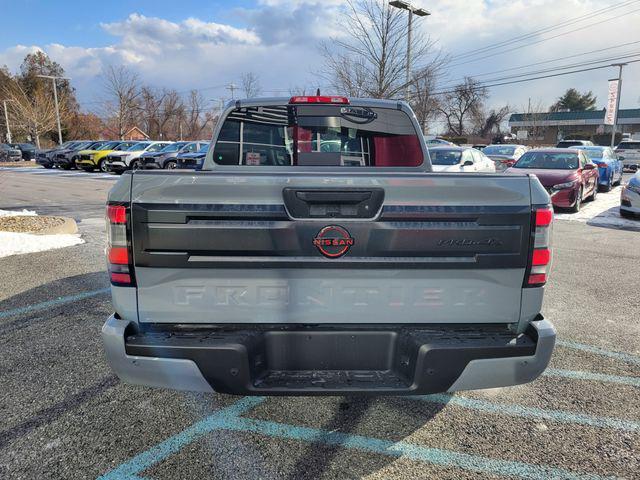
(170, 165)
(578, 204)
(102, 166)
(134, 165)
(607, 187)
(592, 197)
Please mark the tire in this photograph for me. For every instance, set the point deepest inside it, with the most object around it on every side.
(170, 165)
(578, 204)
(609, 185)
(102, 166)
(592, 197)
(626, 214)
(48, 166)
(134, 165)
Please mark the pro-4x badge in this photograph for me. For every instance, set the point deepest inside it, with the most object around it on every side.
(333, 241)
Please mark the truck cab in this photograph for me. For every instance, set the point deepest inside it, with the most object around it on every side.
(316, 253)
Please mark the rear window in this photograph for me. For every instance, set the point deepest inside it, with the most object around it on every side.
(445, 157)
(318, 135)
(498, 150)
(568, 143)
(629, 145)
(550, 161)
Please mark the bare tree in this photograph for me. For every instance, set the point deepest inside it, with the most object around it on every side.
(122, 87)
(251, 85)
(486, 123)
(370, 59)
(35, 110)
(194, 116)
(461, 104)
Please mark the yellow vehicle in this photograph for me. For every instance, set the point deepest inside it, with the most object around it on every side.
(89, 160)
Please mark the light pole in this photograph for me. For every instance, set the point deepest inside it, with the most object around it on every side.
(6, 119)
(615, 119)
(421, 12)
(55, 99)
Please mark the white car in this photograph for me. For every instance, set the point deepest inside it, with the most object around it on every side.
(460, 159)
(628, 151)
(118, 162)
(630, 198)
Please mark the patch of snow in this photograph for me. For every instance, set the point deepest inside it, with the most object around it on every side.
(18, 243)
(603, 212)
(16, 213)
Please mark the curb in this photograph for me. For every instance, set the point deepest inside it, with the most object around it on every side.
(69, 226)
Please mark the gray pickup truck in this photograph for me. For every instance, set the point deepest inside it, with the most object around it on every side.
(316, 253)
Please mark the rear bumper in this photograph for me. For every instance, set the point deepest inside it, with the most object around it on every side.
(332, 360)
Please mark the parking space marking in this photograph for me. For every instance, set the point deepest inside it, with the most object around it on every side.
(434, 456)
(52, 303)
(592, 377)
(625, 357)
(175, 443)
(229, 418)
(516, 410)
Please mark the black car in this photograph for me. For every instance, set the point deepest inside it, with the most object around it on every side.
(28, 150)
(166, 158)
(46, 157)
(193, 160)
(9, 154)
(66, 159)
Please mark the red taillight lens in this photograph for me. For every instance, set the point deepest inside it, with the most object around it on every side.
(544, 217)
(122, 278)
(119, 255)
(537, 279)
(318, 99)
(117, 214)
(540, 255)
(601, 165)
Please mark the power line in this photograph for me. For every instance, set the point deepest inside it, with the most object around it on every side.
(444, 92)
(547, 29)
(600, 22)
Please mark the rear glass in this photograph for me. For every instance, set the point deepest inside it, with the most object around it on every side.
(630, 145)
(546, 160)
(568, 143)
(445, 157)
(318, 135)
(498, 150)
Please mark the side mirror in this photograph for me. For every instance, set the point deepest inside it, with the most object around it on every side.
(589, 166)
(468, 163)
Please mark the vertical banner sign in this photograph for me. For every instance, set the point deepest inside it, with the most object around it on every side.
(612, 103)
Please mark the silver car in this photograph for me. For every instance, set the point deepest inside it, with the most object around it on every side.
(630, 198)
(628, 152)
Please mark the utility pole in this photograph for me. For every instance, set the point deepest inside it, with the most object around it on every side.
(232, 87)
(421, 12)
(6, 119)
(615, 120)
(55, 99)
(180, 130)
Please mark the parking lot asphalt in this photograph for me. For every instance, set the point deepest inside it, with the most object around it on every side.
(65, 415)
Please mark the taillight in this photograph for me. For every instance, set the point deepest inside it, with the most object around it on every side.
(318, 99)
(119, 256)
(602, 165)
(540, 254)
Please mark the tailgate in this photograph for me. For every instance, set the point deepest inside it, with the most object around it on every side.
(306, 248)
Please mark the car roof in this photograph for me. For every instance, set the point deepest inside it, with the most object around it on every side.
(505, 145)
(450, 147)
(554, 150)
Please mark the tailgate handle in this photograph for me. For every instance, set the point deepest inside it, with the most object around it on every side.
(348, 198)
(333, 202)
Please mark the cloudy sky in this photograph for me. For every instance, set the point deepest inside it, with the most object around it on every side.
(206, 44)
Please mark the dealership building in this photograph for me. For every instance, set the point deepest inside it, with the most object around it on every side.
(550, 127)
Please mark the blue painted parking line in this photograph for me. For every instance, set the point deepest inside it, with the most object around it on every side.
(229, 419)
(175, 443)
(516, 410)
(52, 303)
(434, 456)
(592, 377)
(625, 357)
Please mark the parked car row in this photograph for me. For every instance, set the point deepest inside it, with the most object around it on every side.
(9, 153)
(118, 156)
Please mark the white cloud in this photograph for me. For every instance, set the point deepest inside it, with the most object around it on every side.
(278, 41)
